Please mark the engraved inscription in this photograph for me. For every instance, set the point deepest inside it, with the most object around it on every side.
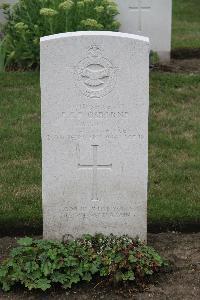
(107, 134)
(139, 6)
(95, 111)
(95, 75)
(97, 211)
(94, 210)
(95, 167)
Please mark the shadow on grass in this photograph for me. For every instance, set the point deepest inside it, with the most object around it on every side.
(185, 53)
(153, 227)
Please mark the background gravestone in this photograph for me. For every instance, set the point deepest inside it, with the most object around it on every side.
(94, 133)
(152, 18)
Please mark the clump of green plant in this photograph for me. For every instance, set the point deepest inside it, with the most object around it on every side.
(38, 264)
(154, 58)
(2, 57)
(28, 20)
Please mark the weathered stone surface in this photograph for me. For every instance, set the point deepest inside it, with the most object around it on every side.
(152, 18)
(94, 133)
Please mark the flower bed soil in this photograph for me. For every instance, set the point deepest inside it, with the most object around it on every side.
(191, 66)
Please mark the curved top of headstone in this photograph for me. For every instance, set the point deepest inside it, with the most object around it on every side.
(95, 33)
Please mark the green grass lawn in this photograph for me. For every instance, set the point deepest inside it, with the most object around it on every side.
(20, 150)
(186, 24)
(174, 151)
(174, 148)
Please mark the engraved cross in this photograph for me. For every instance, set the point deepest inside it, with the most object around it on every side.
(140, 6)
(95, 167)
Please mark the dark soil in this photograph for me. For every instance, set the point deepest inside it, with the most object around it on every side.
(153, 227)
(185, 53)
(181, 281)
(180, 66)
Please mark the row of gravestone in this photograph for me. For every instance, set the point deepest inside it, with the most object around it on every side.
(151, 18)
(95, 103)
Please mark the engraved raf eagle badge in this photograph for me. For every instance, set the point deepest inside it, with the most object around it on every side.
(95, 74)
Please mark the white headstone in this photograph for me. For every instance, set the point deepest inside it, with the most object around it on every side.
(94, 133)
(152, 18)
(2, 16)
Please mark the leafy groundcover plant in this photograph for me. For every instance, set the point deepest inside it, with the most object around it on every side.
(28, 20)
(38, 264)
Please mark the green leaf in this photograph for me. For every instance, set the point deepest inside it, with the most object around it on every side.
(118, 258)
(3, 271)
(6, 286)
(58, 277)
(87, 237)
(27, 241)
(148, 272)
(94, 269)
(87, 277)
(75, 278)
(128, 276)
(16, 251)
(67, 285)
(43, 284)
(104, 271)
(132, 258)
(52, 253)
(46, 268)
(70, 261)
